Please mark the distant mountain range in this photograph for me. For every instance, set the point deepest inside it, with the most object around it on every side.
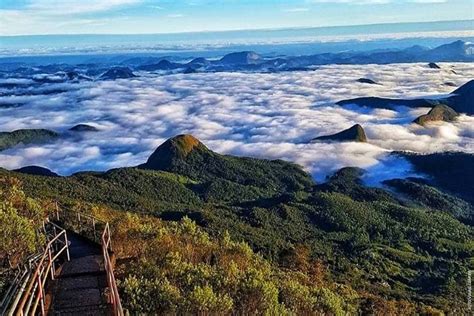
(251, 61)
(39, 136)
(458, 51)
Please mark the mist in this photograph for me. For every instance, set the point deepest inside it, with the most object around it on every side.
(272, 116)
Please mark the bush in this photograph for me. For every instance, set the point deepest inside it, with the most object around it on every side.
(20, 218)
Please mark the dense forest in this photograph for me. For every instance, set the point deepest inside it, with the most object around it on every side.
(200, 232)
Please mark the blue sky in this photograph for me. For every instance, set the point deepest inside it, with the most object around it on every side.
(21, 17)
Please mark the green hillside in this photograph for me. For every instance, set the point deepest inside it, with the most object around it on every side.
(26, 136)
(398, 252)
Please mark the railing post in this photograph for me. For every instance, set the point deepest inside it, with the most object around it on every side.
(40, 293)
(93, 225)
(54, 230)
(57, 210)
(51, 261)
(67, 246)
(109, 239)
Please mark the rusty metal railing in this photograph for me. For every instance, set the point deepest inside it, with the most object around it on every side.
(28, 293)
(18, 282)
(33, 295)
(114, 298)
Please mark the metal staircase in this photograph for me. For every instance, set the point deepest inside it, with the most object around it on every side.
(72, 276)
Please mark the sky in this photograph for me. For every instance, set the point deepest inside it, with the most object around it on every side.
(38, 17)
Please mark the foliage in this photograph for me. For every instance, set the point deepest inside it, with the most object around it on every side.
(292, 246)
(20, 217)
(451, 171)
(25, 136)
(431, 197)
(184, 270)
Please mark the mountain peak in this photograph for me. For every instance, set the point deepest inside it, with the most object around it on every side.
(446, 52)
(461, 98)
(434, 66)
(355, 133)
(458, 43)
(175, 149)
(241, 58)
(455, 44)
(468, 87)
(440, 112)
(366, 80)
(185, 143)
(117, 73)
(37, 171)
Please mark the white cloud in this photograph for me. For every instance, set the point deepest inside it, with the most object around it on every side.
(372, 2)
(364, 2)
(428, 1)
(247, 114)
(295, 10)
(175, 15)
(68, 7)
(43, 16)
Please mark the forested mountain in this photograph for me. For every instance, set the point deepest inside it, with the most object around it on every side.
(267, 238)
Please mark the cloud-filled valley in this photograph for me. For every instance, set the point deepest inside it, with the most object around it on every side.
(268, 115)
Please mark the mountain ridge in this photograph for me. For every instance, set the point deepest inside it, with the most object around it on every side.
(460, 100)
(458, 51)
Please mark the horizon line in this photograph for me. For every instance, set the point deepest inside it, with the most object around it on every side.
(237, 30)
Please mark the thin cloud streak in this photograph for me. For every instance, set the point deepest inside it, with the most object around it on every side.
(70, 7)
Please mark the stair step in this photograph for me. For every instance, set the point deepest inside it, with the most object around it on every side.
(77, 298)
(84, 282)
(83, 265)
(90, 310)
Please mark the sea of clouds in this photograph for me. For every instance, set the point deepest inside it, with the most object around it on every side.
(266, 115)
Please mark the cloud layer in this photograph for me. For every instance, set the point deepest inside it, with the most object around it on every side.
(247, 114)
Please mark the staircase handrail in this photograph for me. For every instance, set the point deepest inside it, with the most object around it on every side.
(34, 294)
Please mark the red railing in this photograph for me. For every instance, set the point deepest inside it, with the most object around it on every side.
(34, 294)
(114, 298)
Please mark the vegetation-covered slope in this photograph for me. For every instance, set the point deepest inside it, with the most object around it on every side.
(20, 217)
(25, 136)
(451, 171)
(186, 155)
(398, 251)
